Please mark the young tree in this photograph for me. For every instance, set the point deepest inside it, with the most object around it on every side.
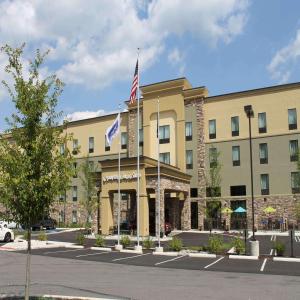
(33, 172)
(88, 181)
(213, 182)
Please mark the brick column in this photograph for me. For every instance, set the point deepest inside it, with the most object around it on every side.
(186, 214)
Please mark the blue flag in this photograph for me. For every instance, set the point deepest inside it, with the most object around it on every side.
(113, 130)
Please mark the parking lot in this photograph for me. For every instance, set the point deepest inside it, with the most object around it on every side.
(264, 265)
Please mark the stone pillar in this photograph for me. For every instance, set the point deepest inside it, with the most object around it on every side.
(186, 214)
(201, 214)
(162, 213)
(132, 131)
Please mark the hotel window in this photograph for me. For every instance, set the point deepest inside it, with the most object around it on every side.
(62, 197)
(74, 216)
(264, 184)
(213, 157)
(75, 147)
(165, 157)
(292, 118)
(194, 192)
(189, 159)
(141, 132)
(262, 122)
(295, 182)
(74, 193)
(91, 166)
(238, 190)
(188, 131)
(75, 170)
(263, 153)
(294, 150)
(164, 134)
(107, 147)
(61, 216)
(124, 140)
(91, 145)
(212, 129)
(62, 149)
(235, 128)
(236, 156)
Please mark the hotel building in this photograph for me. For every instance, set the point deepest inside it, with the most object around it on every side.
(193, 126)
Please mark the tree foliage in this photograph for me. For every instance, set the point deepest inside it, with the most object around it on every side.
(88, 181)
(33, 172)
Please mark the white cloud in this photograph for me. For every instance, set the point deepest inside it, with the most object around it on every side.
(81, 115)
(284, 60)
(176, 59)
(95, 44)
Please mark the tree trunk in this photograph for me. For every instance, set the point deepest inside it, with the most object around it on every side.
(27, 286)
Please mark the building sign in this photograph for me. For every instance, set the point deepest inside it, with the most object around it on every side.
(122, 177)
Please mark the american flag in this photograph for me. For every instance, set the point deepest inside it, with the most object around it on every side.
(134, 84)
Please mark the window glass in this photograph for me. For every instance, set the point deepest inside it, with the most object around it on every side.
(292, 116)
(141, 132)
(236, 155)
(263, 153)
(62, 149)
(74, 216)
(212, 129)
(264, 183)
(91, 144)
(235, 126)
(189, 159)
(74, 193)
(75, 144)
(124, 138)
(165, 157)
(188, 131)
(294, 150)
(262, 122)
(164, 132)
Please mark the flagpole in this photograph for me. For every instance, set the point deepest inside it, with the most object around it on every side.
(158, 172)
(138, 156)
(119, 178)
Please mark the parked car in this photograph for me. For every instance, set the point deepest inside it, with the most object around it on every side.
(6, 234)
(10, 224)
(47, 223)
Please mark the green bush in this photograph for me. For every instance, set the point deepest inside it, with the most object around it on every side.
(175, 244)
(148, 243)
(239, 245)
(279, 247)
(99, 241)
(80, 238)
(125, 241)
(42, 236)
(25, 235)
(215, 244)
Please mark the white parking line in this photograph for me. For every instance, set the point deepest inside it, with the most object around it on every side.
(99, 253)
(214, 262)
(263, 265)
(165, 261)
(130, 257)
(271, 252)
(297, 239)
(60, 251)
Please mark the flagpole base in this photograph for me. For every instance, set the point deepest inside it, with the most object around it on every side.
(159, 249)
(138, 248)
(118, 247)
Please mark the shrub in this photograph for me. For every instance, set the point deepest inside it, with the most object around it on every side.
(99, 241)
(279, 247)
(42, 236)
(175, 244)
(148, 243)
(215, 244)
(238, 244)
(125, 241)
(80, 238)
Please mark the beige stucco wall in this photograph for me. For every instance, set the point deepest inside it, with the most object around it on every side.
(275, 104)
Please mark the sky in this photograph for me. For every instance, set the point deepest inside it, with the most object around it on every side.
(225, 45)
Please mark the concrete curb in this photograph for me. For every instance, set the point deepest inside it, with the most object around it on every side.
(203, 255)
(287, 259)
(131, 251)
(167, 253)
(101, 248)
(243, 257)
(74, 246)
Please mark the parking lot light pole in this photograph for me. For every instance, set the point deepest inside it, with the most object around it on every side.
(255, 245)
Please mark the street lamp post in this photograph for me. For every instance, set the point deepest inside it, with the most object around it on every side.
(255, 244)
